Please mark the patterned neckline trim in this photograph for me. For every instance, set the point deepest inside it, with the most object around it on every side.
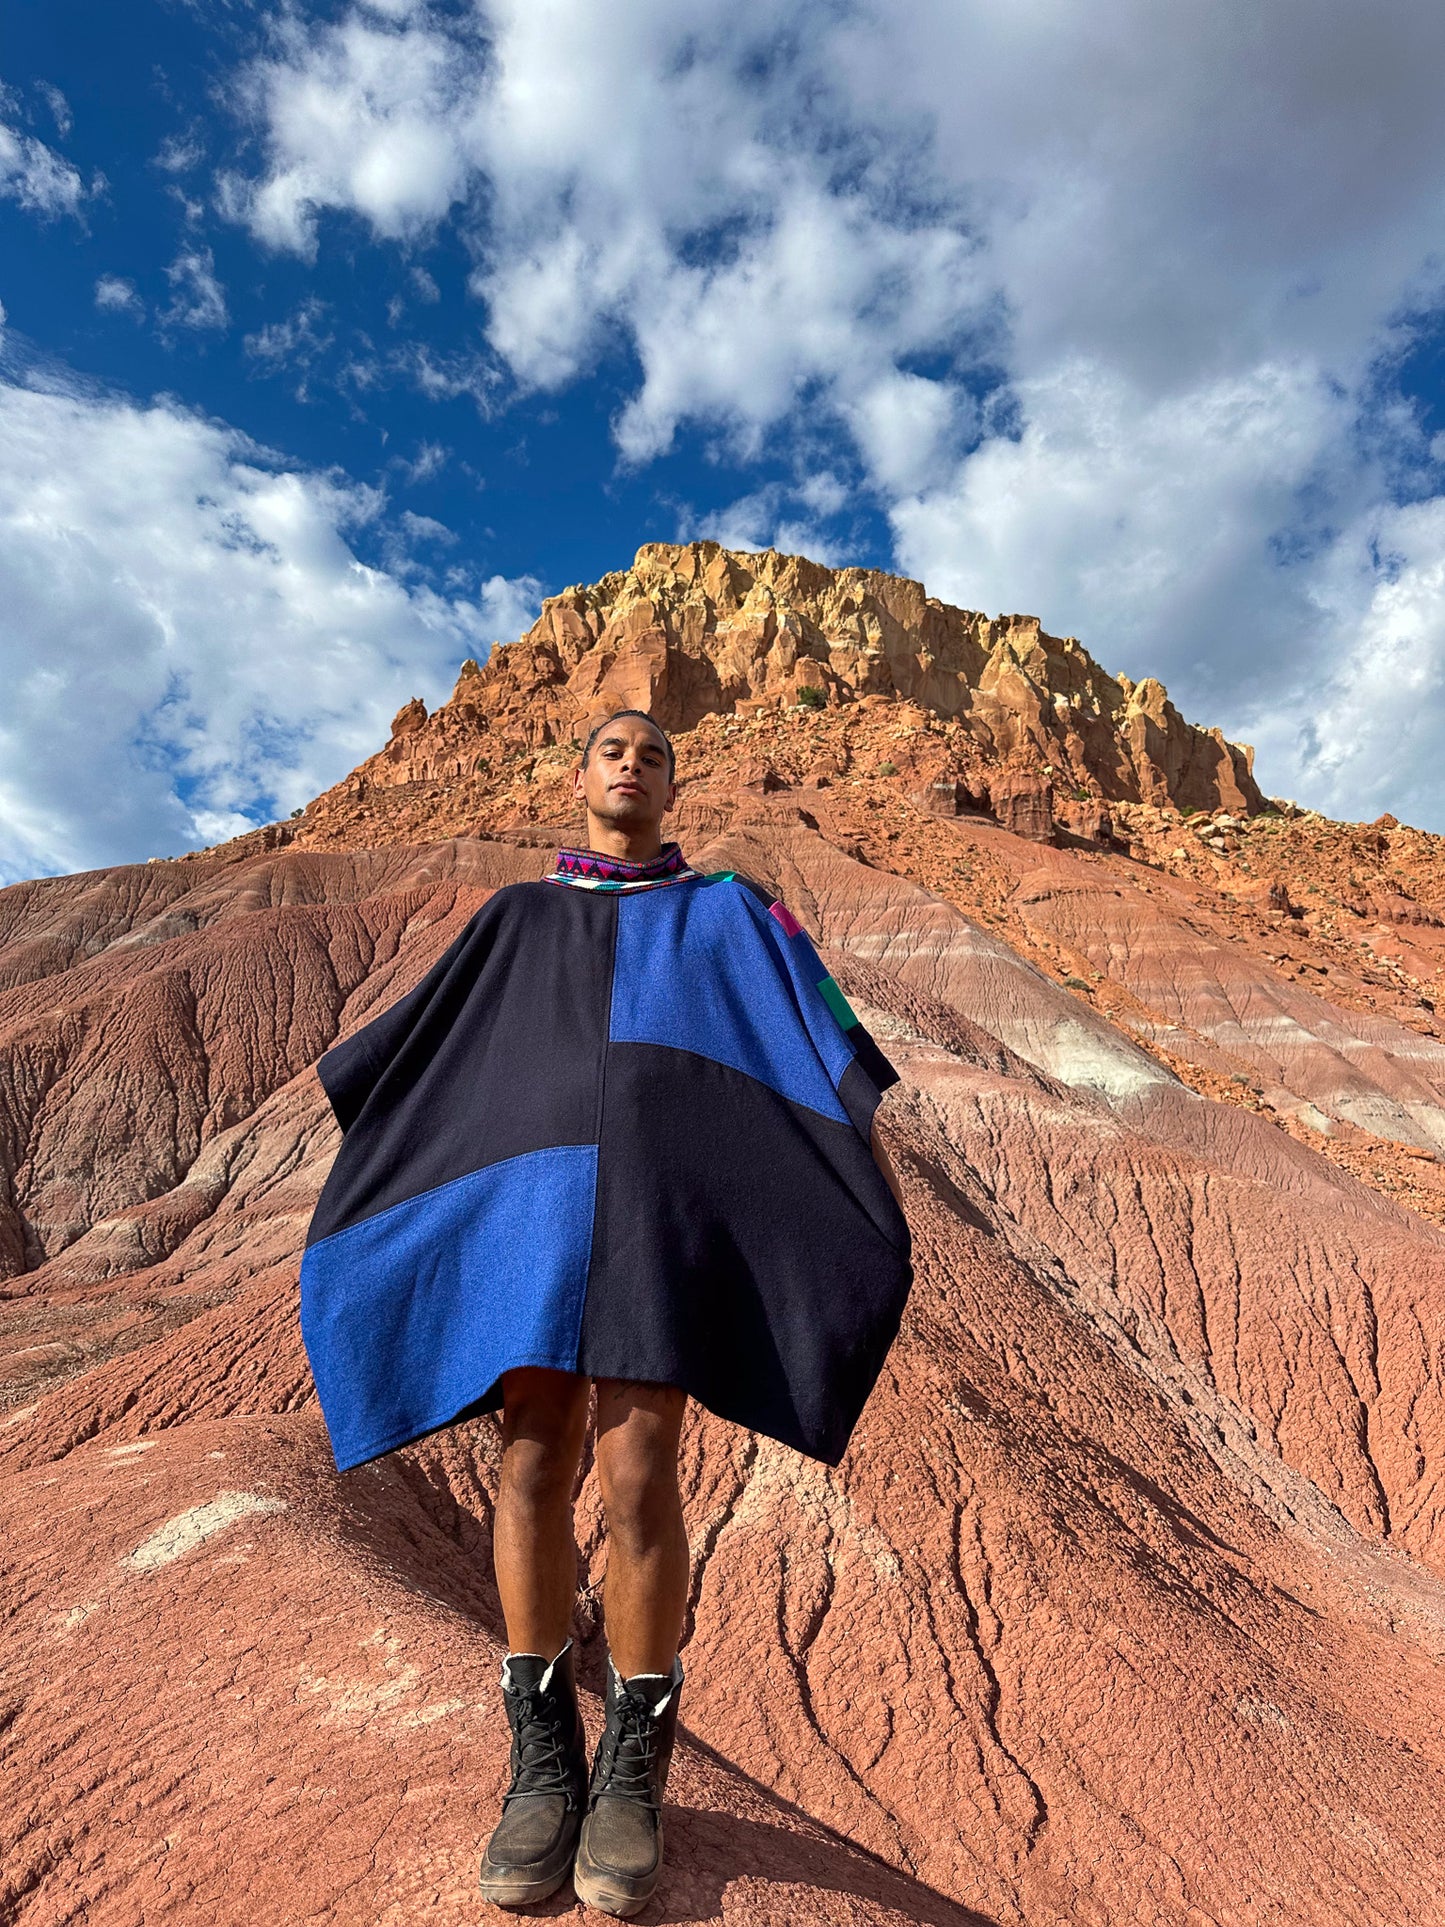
(591, 870)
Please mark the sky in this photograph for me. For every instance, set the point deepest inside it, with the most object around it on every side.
(336, 336)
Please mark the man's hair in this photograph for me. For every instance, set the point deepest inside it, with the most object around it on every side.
(597, 729)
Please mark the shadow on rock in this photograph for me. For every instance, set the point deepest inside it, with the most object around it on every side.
(711, 1853)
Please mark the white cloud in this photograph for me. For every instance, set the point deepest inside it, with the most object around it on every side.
(1099, 304)
(1140, 524)
(906, 426)
(828, 293)
(1203, 267)
(824, 493)
(763, 521)
(1197, 186)
(59, 107)
(634, 186)
(506, 607)
(179, 153)
(367, 115)
(428, 462)
(296, 341)
(747, 523)
(734, 226)
(189, 642)
(116, 295)
(442, 377)
(814, 180)
(1366, 737)
(197, 299)
(35, 175)
(425, 528)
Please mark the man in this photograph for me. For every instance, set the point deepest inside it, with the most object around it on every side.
(620, 1137)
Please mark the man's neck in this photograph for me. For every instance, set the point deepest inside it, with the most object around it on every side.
(638, 846)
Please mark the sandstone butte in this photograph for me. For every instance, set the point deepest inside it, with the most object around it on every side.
(1128, 1602)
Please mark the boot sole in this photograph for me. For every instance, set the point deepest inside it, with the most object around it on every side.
(600, 1890)
(512, 1890)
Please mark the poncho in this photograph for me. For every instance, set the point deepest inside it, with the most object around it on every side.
(620, 1128)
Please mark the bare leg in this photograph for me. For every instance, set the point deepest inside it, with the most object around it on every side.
(544, 1420)
(647, 1557)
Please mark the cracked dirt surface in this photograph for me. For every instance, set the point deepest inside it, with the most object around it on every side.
(1128, 1602)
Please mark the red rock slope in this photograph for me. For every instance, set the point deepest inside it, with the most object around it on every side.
(1128, 1603)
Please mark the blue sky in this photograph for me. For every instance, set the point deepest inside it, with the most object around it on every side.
(326, 359)
(335, 336)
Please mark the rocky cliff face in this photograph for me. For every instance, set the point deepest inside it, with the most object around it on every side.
(1128, 1602)
(700, 631)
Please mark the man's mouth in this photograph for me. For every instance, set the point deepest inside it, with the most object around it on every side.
(628, 789)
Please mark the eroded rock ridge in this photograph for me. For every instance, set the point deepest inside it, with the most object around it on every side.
(698, 630)
(1127, 1603)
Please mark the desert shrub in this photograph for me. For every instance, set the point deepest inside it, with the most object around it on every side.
(810, 697)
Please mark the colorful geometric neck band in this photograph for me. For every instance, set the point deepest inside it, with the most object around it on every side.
(591, 870)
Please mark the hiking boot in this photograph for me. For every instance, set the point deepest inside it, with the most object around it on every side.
(529, 1855)
(619, 1854)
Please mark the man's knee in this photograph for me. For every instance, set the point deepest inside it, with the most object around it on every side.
(637, 1460)
(544, 1419)
(639, 1494)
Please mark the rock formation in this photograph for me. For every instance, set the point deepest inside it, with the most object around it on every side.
(1128, 1602)
(699, 630)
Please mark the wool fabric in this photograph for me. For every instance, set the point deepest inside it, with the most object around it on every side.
(616, 1131)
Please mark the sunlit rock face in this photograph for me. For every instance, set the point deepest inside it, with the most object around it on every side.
(699, 630)
(1128, 1601)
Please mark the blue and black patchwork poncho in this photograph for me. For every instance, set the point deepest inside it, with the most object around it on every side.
(621, 1128)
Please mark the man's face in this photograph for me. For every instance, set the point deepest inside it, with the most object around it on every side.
(625, 782)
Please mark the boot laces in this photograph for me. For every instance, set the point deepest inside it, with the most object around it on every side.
(633, 1752)
(542, 1764)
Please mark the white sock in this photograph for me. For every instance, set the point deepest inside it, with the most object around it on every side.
(546, 1679)
(674, 1675)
